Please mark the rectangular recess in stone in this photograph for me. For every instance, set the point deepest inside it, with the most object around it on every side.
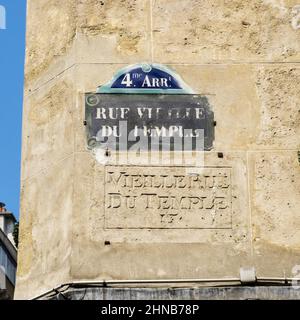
(144, 197)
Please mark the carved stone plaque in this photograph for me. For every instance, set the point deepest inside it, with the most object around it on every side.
(167, 198)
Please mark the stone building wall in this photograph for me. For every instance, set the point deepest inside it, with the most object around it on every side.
(243, 55)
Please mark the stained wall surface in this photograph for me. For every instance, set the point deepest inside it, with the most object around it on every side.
(244, 56)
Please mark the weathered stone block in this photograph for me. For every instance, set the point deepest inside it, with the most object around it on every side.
(225, 31)
(45, 231)
(50, 35)
(275, 203)
(278, 91)
(84, 32)
(141, 250)
(48, 126)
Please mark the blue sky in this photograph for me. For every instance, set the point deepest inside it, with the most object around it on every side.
(12, 50)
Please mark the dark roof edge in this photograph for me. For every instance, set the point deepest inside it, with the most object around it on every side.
(10, 214)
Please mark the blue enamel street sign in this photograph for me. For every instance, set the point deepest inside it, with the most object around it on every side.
(149, 103)
(146, 78)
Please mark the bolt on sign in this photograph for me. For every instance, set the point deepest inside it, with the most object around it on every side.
(148, 107)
